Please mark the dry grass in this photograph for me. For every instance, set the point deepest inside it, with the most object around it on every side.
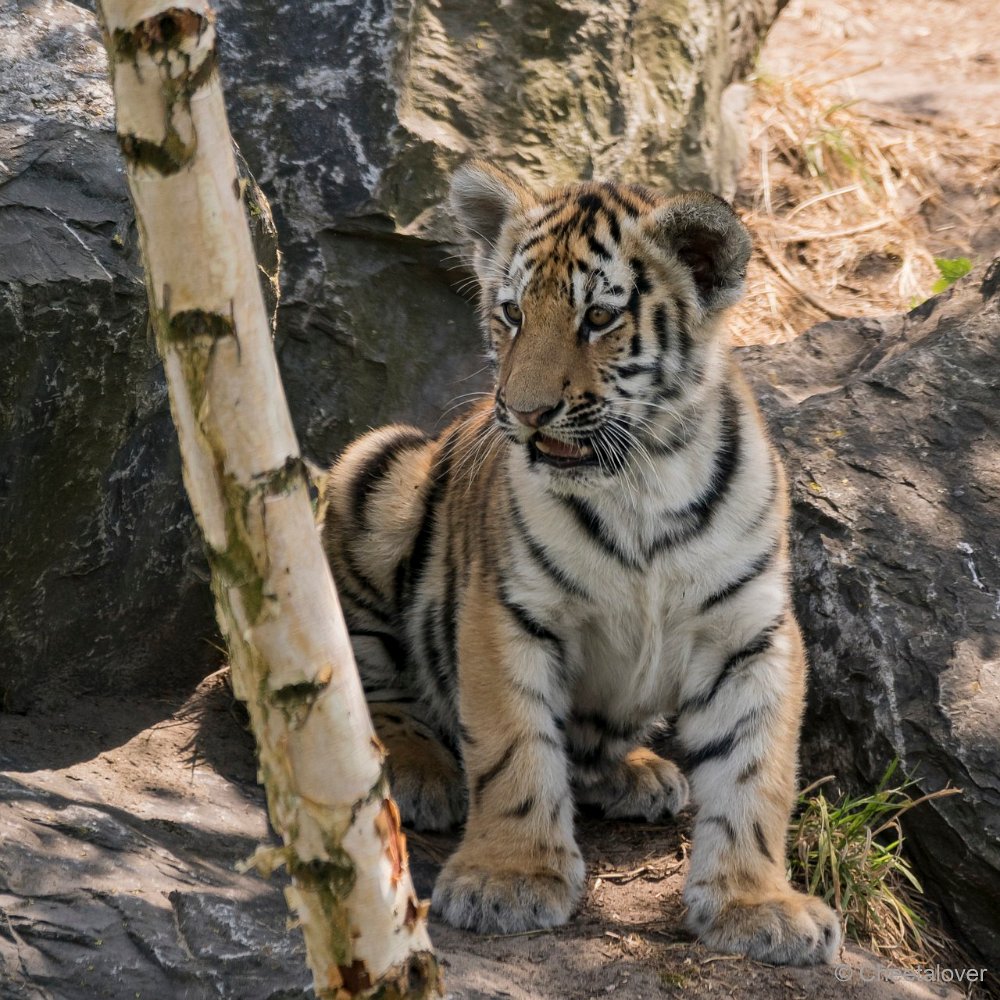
(845, 201)
(850, 853)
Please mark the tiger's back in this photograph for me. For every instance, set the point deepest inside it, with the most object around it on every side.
(600, 546)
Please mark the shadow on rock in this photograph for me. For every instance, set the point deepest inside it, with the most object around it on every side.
(890, 431)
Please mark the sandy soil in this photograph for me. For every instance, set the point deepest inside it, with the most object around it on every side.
(938, 58)
(907, 93)
(139, 813)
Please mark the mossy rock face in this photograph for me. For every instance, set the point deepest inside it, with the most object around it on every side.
(103, 586)
(353, 117)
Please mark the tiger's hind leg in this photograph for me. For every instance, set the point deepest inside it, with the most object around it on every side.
(374, 507)
(623, 783)
(425, 776)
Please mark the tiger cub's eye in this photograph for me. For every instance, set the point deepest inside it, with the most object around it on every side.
(512, 313)
(598, 317)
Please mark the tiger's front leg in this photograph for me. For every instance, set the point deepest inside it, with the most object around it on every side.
(518, 867)
(741, 732)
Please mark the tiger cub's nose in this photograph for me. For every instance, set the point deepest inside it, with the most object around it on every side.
(539, 417)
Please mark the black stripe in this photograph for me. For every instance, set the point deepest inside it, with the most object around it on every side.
(494, 772)
(679, 439)
(450, 612)
(661, 327)
(757, 567)
(605, 726)
(589, 757)
(589, 203)
(635, 368)
(532, 694)
(700, 511)
(393, 647)
(768, 505)
(726, 460)
(557, 208)
(376, 467)
(439, 475)
(540, 232)
(613, 228)
(529, 243)
(760, 644)
(346, 588)
(643, 194)
(727, 827)
(721, 747)
(612, 191)
(597, 247)
(528, 624)
(750, 771)
(685, 341)
(433, 661)
(642, 285)
(548, 740)
(758, 832)
(589, 520)
(541, 557)
(399, 581)
(522, 810)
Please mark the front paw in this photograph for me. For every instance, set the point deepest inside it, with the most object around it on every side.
(787, 928)
(507, 898)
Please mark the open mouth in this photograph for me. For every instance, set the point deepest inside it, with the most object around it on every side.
(561, 454)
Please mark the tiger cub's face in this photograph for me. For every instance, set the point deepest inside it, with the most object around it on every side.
(599, 302)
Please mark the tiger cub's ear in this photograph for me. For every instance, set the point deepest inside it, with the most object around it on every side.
(707, 236)
(482, 197)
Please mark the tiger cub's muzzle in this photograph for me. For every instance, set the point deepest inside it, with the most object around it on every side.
(552, 447)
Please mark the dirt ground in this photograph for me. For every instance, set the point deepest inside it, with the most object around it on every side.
(874, 139)
(123, 826)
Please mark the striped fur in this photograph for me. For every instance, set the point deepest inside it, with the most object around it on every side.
(600, 546)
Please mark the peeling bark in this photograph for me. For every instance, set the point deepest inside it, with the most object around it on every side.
(322, 766)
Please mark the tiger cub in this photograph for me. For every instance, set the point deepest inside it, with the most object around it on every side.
(600, 545)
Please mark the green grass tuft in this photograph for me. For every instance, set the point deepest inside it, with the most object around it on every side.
(849, 853)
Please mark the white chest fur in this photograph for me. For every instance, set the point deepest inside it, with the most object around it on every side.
(632, 598)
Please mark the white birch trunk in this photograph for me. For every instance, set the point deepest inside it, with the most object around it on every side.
(292, 663)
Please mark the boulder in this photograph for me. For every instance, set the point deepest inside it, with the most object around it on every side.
(890, 430)
(353, 116)
(102, 580)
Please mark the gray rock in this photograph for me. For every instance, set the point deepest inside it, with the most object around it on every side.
(354, 115)
(890, 430)
(118, 873)
(102, 581)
